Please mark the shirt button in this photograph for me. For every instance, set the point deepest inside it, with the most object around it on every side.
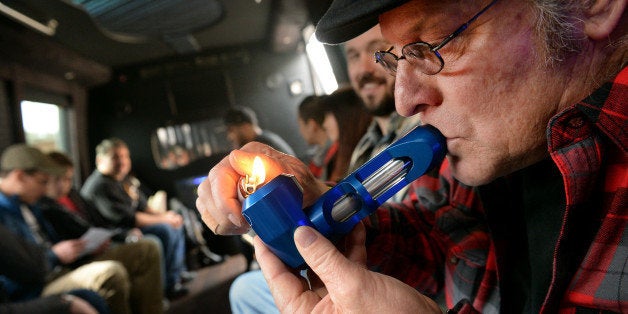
(453, 260)
(576, 123)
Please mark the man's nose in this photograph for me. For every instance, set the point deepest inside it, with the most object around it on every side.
(414, 90)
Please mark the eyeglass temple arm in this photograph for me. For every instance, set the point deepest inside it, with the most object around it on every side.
(463, 27)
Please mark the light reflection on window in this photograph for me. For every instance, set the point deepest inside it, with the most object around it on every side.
(321, 65)
(178, 145)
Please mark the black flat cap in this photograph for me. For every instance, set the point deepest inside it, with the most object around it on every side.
(346, 19)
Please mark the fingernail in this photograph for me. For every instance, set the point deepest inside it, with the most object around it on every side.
(234, 220)
(304, 236)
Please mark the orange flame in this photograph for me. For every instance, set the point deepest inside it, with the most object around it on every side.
(258, 176)
(250, 182)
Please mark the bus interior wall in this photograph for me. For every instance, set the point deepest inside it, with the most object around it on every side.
(135, 104)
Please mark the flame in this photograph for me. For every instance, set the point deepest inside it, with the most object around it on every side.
(250, 182)
(258, 175)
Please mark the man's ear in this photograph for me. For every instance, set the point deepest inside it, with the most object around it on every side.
(603, 17)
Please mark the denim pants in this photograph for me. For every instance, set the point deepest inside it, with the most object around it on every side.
(249, 293)
(173, 245)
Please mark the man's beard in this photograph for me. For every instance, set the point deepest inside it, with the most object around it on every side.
(383, 108)
(377, 108)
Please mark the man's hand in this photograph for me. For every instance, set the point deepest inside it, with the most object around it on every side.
(340, 282)
(103, 247)
(80, 306)
(68, 251)
(218, 201)
(173, 219)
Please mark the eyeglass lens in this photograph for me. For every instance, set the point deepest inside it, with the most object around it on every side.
(418, 54)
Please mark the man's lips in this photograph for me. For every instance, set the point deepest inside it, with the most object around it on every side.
(370, 87)
(371, 80)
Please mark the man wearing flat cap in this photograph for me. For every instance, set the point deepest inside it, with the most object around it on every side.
(528, 211)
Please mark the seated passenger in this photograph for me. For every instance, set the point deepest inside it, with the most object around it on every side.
(24, 173)
(25, 263)
(124, 206)
(140, 257)
(346, 121)
(243, 127)
(311, 117)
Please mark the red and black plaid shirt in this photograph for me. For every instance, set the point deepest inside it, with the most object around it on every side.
(438, 240)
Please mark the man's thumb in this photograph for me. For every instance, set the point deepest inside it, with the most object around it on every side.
(320, 254)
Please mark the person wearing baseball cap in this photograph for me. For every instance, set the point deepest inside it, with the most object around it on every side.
(528, 211)
(25, 157)
(28, 162)
(24, 175)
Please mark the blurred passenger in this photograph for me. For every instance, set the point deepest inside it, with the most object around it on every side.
(122, 205)
(311, 117)
(168, 159)
(345, 122)
(25, 263)
(182, 156)
(24, 173)
(70, 216)
(243, 127)
(376, 88)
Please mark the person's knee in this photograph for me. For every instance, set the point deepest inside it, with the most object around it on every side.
(149, 249)
(155, 240)
(245, 286)
(249, 293)
(116, 276)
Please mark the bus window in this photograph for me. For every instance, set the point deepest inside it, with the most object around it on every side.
(44, 126)
(177, 145)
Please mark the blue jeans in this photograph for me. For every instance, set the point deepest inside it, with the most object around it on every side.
(249, 293)
(173, 245)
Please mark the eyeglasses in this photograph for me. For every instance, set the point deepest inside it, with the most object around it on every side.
(421, 54)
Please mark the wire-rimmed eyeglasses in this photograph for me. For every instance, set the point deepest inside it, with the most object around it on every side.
(421, 54)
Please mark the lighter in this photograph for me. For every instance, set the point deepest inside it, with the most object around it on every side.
(274, 211)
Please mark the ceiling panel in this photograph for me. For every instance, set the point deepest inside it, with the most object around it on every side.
(118, 33)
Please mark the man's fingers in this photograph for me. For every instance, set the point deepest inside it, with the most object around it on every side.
(217, 201)
(287, 287)
(323, 257)
(242, 160)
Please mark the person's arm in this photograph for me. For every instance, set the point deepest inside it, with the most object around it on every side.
(146, 219)
(68, 251)
(54, 304)
(66, 224)
(145, 216)
(20, 260)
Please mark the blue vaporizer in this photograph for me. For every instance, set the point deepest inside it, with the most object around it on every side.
(274, 211)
